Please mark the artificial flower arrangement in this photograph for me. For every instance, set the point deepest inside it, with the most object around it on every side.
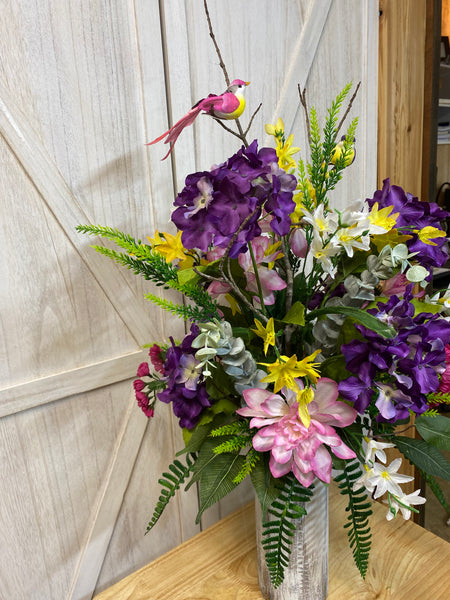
(310, 335)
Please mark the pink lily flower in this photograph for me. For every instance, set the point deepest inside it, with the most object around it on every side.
(292, 446)
(298, 243)
(268, 278)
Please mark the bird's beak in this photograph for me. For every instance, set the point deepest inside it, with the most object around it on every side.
(247, 82)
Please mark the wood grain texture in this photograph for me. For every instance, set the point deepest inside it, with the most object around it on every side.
(220, 563)
(24, 396)
(84, 86)
(401, 93)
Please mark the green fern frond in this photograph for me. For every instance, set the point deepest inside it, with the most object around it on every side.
(438, 398)
(121, 239)
(251, 459)
(236, 427)
(201, 298)
(171, 482)
(235, 444)
(359, 509)
(155, 269)
(186, 312)
(278, 532)
(431, 412)
(331, 121)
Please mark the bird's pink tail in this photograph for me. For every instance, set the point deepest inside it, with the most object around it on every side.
(172, 134)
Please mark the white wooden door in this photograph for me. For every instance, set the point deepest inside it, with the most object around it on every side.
(85, 83)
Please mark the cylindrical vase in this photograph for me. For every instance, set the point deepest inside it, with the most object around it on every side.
(306, 577)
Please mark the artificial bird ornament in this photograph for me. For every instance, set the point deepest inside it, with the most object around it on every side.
(229, 105)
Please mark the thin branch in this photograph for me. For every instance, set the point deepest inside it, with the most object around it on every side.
(289, 275)
(227, 277)
(251, 120)
(348, 107)
(305, 107)
(289, 329)
(241, 135)
(227, 128)
(213, 37)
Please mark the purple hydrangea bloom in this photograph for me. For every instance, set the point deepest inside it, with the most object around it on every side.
(222, 206)
(414, 215)
(397, 373)
(186, 391)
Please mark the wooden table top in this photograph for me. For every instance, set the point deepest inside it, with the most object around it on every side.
(406, 563)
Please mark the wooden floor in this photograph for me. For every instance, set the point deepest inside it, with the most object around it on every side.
(220, 563)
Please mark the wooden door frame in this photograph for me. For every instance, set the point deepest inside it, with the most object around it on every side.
(408, 88)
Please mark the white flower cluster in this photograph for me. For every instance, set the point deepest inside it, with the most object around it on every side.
(351, 230)
(380, 479)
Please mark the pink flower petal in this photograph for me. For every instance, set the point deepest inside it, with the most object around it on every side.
(281, 454)
(305, 479)
(343, 451)
(262, 444)
(275, 406)
(321, 464)
(278, 469)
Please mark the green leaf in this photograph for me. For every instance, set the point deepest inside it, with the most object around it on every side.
(334, 368)
(435, 430)
(425, 307)
(189, 275)
(296, 314)
(366, 319)
(424, 456)
(265, 484)
(217, 480)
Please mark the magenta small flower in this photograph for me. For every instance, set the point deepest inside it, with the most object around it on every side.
(293, 446)
(143, 403)
(156, 358)
(143, 370)
(444, 385)
(138, 385)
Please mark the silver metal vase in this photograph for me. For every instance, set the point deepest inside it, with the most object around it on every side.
(306, 577)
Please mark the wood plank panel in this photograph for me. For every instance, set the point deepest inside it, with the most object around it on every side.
(84, 88)
(401, 93)
(54, 459)
(24, 396)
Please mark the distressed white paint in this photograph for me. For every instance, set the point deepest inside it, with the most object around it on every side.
(84, 85)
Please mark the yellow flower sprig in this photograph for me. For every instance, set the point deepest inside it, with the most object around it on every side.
(284, 371)
(284, 148)
(171, 248)
(267, 333)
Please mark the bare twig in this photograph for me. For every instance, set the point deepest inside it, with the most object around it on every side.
(228, 277)
(289, 275)
(348, 108)
(213, 37)
(305, 108)
(241, 135)
(289, 329)
(252, 117)
(227, 128)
